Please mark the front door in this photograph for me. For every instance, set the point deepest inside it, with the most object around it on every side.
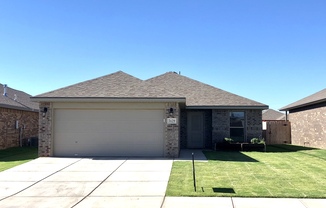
(195, 130)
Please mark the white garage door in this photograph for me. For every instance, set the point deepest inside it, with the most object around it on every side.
(108, 132)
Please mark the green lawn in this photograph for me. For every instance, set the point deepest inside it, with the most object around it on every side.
(282, 171)
(15, 156)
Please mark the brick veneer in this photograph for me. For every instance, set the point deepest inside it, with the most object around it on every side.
(27, 128)
(221, 124)
(308, 127)
(254, 124)
(172, 142)
(45, 131)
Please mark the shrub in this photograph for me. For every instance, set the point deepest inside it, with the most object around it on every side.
(229, 140)
(257, 141)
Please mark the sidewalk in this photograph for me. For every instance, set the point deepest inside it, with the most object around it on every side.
(230, 202)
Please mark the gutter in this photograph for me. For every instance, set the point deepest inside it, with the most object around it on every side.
(230, 107)
(302, 105)
(18, 108)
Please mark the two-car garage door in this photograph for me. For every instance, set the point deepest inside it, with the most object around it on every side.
(88, 132)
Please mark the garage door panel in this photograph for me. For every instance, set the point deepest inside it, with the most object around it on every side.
(108, 132)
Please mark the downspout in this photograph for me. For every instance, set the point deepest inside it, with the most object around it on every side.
(286, 115)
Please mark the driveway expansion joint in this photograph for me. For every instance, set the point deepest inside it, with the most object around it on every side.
(40, 180)
(99, 184)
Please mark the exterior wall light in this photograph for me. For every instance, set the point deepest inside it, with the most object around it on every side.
(44, 110)
(171, 111)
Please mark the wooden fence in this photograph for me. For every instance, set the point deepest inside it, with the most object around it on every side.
(277, 132)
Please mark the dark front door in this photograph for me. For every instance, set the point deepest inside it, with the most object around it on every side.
(195, 130)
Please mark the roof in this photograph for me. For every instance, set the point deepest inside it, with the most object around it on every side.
(170, 85)
(316, 98)
(16, 99)
(270, 115)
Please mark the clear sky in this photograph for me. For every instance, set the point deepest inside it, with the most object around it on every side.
(271, 51)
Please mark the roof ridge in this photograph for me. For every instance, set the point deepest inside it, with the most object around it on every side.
(90, 80)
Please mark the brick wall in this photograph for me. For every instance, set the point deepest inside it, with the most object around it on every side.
(45, 131)
(10, 136)
(254, 124)
(172, 131)
(221, 124)
(308, 127)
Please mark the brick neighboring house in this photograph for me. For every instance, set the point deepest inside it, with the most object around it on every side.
(18, 117)
(308, 120)
(121, 115)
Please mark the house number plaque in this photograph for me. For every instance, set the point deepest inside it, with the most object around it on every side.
(171, 121)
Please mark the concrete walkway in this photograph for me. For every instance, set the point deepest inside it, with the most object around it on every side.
(86, 182)
(114, 182)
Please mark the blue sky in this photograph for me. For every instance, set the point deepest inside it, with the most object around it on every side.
(271, 51)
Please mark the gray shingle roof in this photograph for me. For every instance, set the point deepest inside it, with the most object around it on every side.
(168, 85)
(315, 98)
(22, 102)
(271, 114)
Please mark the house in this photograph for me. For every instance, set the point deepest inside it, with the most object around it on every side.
(121, 115)
(276, 130)
(272, 115)
(308, 120)
(18, 117)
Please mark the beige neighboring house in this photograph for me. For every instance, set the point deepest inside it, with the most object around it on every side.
(272, 115)
(276, 130)
(308, 120)
(121, 115)
(18, 118)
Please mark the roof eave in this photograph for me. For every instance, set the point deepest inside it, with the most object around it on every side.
(18, 108)
(106, 99)
(302, 105)
(230, 107)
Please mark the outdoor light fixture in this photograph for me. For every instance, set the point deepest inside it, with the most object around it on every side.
(44, 110)
(171, 111)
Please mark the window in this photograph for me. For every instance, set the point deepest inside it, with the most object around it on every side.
(237, 124)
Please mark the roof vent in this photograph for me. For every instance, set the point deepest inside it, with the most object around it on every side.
(5, 90)
(15, 97)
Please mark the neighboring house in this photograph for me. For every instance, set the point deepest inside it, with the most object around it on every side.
(276, 130)
(272, 115)
(121, 115)
(18, 117)
(308, 120)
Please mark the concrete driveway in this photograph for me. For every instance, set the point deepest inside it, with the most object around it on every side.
(86, 182)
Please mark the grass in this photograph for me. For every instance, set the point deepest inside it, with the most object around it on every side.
(15, 156)
(283, 171)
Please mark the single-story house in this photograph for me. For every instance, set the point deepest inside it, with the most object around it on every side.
(18, 117)
(121, 115)
(308, 120)
(272, 115)
(276, 130)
